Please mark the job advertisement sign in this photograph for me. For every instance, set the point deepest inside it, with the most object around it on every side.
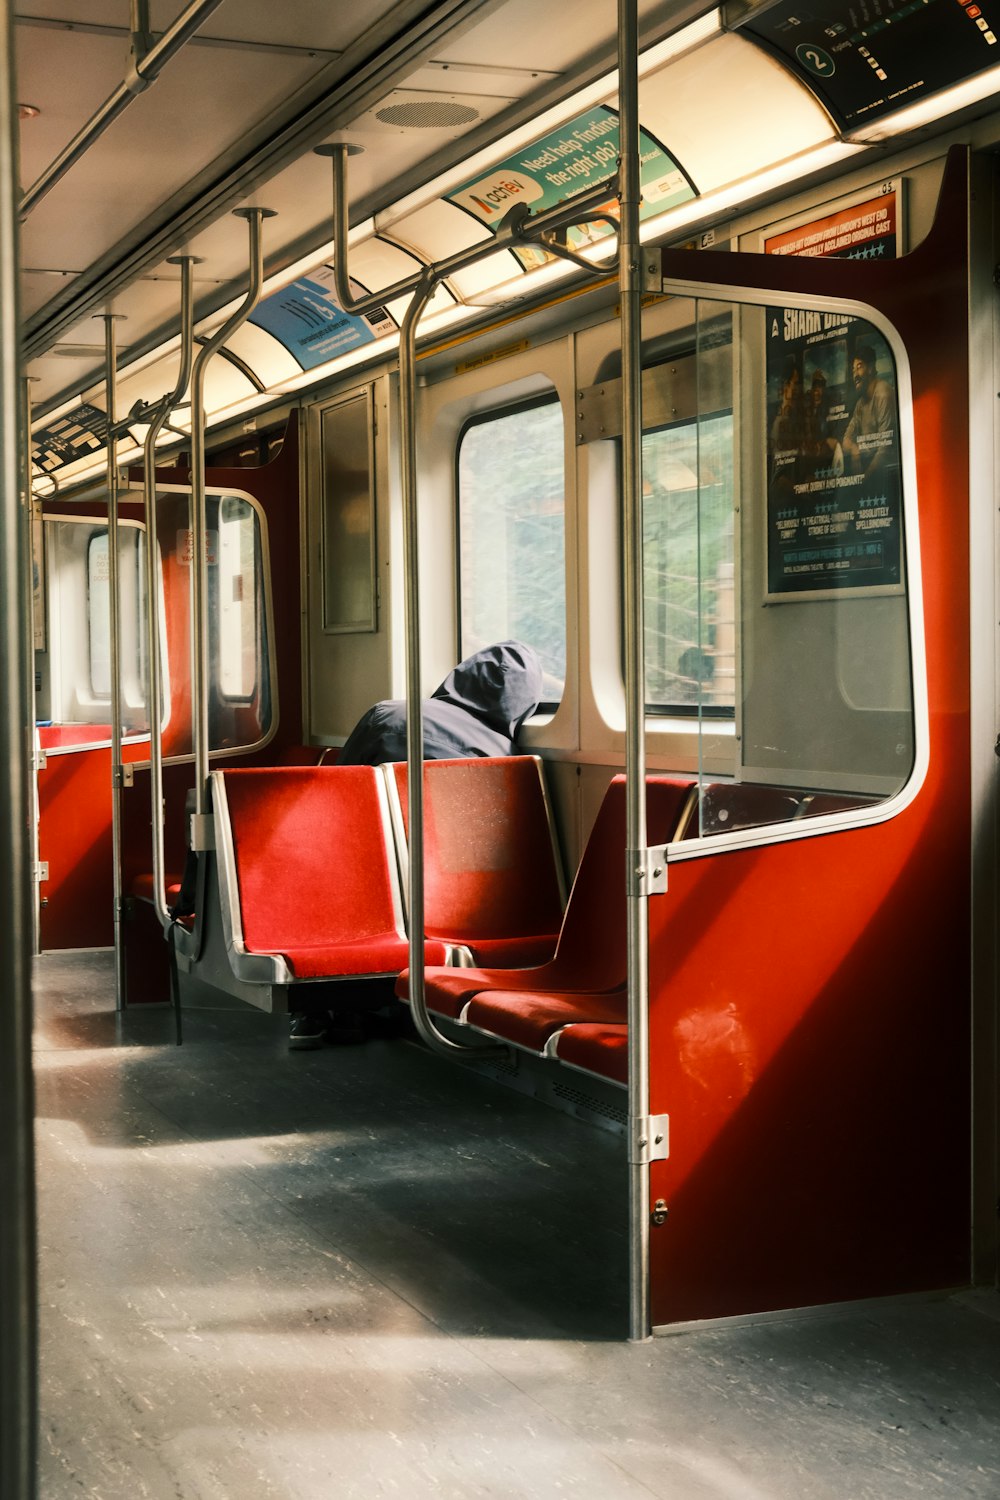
(867, 58)
(559, 166)
(311, 324)
(833, 498)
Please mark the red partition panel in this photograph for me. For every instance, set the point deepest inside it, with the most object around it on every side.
(810, 1001)
(74, 839)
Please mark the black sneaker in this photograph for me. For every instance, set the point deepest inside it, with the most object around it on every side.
(307, 1029)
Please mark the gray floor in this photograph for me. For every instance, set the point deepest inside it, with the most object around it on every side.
(359, 1272)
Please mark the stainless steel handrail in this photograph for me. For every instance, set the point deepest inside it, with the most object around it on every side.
(140, 75)
(114, 630)
(514, 229)
(30, 503)
(425, 1026)
(630, 285)
(199, 562)
(154, 663)
(18, 1278)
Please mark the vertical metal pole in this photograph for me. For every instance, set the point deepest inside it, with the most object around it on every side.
(29, 664)
(114, 618)
(154, 678)
(18, 1292)
(200, 666)
(630, 285)
(411, 608)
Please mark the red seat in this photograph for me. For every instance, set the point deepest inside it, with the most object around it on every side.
(591, 954)
(596, 1049)
(528, 1018)
(491, 880)
(315, 869)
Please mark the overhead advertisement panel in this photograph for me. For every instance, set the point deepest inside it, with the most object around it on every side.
(310, 323)
(867, 58)
(556, 168)
(78, 433)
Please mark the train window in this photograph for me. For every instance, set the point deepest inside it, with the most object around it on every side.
(240, 654)
(74, 666)
(98, 615)
(688, 566)
(512, 534)
(237, 638)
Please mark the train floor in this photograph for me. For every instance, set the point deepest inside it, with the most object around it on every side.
(354, 1272)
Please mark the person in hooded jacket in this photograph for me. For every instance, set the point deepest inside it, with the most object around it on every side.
(477, 710)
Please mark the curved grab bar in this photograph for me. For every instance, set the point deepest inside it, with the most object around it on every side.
(511, 231)
(154, 673)
(199, 570)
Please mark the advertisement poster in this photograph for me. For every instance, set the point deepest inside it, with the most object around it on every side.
(578, 155)
(80, 432)
(867, 58)
(309, 321)
(833, 489)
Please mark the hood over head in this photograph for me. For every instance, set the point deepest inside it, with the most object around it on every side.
(501, 685)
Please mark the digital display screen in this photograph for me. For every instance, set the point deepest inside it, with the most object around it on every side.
(868, 58)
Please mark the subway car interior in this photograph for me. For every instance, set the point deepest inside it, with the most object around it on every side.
(614, 1116)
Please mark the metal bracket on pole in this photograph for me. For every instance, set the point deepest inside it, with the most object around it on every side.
(646, 871)
(649, 1140)
(651, 268)
(201, 832)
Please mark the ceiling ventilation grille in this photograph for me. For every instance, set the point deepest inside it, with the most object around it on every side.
(427, 114)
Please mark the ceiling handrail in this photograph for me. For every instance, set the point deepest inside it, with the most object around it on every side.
(142, 72)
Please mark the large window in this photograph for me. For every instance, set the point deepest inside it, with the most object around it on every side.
(688, 565)
(512, 536)
(237, 632)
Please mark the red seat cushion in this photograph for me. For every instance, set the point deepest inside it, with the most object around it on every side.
(380, 955)
(597, 1049)
(530, 1017)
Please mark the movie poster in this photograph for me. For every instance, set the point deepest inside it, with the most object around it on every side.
(832, 453)
(834, 513)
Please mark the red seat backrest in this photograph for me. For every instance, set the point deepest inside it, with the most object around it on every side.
(313, 854)
(489, 863)
(593, 941)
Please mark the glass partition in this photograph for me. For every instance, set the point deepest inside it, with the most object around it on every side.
(775, 567)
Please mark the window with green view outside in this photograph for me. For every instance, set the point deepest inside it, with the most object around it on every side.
(688, 566)
(511, 503)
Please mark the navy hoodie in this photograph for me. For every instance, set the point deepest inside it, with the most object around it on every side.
(477, 710)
